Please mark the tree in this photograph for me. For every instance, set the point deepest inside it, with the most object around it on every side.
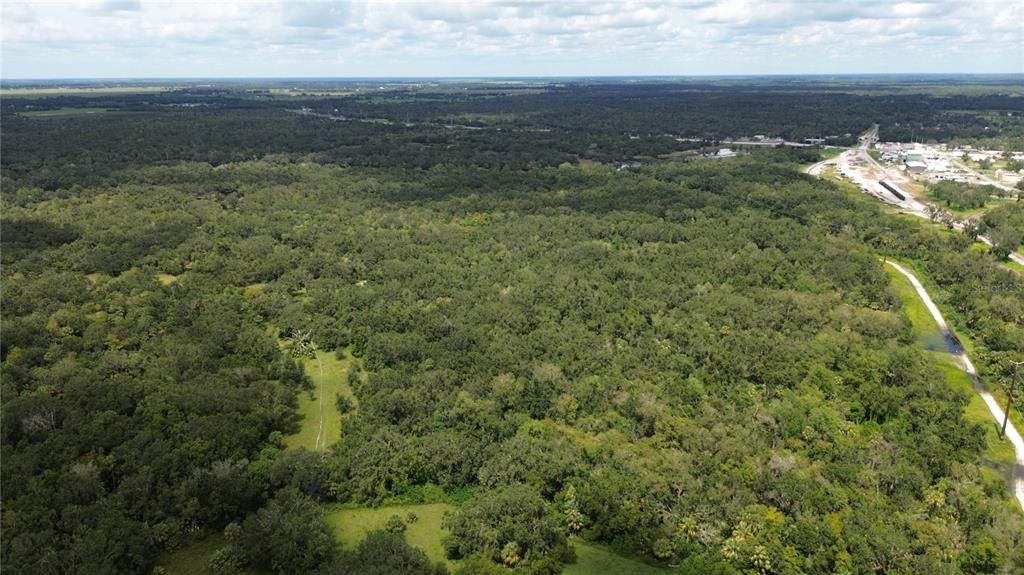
(383, 553)
(394, 524)
(972, 229)
(1004, 241)
(980, 557)
(288, 536)
(508, 524)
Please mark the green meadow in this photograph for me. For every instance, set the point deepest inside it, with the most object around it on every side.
(318, 408)
(59, 112)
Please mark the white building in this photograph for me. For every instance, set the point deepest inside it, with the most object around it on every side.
(916, 167)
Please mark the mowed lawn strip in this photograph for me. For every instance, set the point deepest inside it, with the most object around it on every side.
(330, 379)
(351, 525)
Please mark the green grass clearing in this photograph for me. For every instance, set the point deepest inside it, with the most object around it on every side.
(321, 419)
(829, 153)
(925, 330)
(1013, 266)
(253, 290)
(351, 525)
(954, 322)
(39, 92)
(166, 279)
(594, 559)
(62, 112)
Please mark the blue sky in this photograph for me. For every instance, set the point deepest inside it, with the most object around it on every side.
(141, 38)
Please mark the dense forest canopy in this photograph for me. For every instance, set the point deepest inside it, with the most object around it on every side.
(699, 362)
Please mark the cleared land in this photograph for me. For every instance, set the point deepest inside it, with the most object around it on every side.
(351, 525)
(79, 91)
(321, 419)
(594, 559)
(61, 112)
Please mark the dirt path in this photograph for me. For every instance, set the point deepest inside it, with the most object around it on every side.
(320, 424)
(997, 412)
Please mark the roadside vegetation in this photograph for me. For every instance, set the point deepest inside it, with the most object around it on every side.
(997, 450)
(1005, 226)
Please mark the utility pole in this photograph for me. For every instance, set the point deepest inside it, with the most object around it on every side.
(1009, 396)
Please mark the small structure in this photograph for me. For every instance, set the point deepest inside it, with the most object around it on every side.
(725, 153)
(916, 167)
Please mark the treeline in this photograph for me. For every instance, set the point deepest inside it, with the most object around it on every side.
(498, 129)
(1005, 227)
(960, 196)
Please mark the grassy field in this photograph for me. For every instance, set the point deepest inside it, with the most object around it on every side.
(291, 92)
(62, 112)
(79, 91)
(351, 525)
(166, 279)
(321, 420)
(829, 153)
(1012, 265)
(593, 559)
(997, 450)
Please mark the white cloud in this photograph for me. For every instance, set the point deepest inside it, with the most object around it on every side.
(117, 38)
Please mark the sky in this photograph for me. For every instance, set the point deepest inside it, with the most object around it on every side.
(281, 38)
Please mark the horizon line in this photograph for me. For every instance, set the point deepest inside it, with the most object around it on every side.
(510, 76)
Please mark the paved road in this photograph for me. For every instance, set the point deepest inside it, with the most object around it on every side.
(997, 412)
(847, 164)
